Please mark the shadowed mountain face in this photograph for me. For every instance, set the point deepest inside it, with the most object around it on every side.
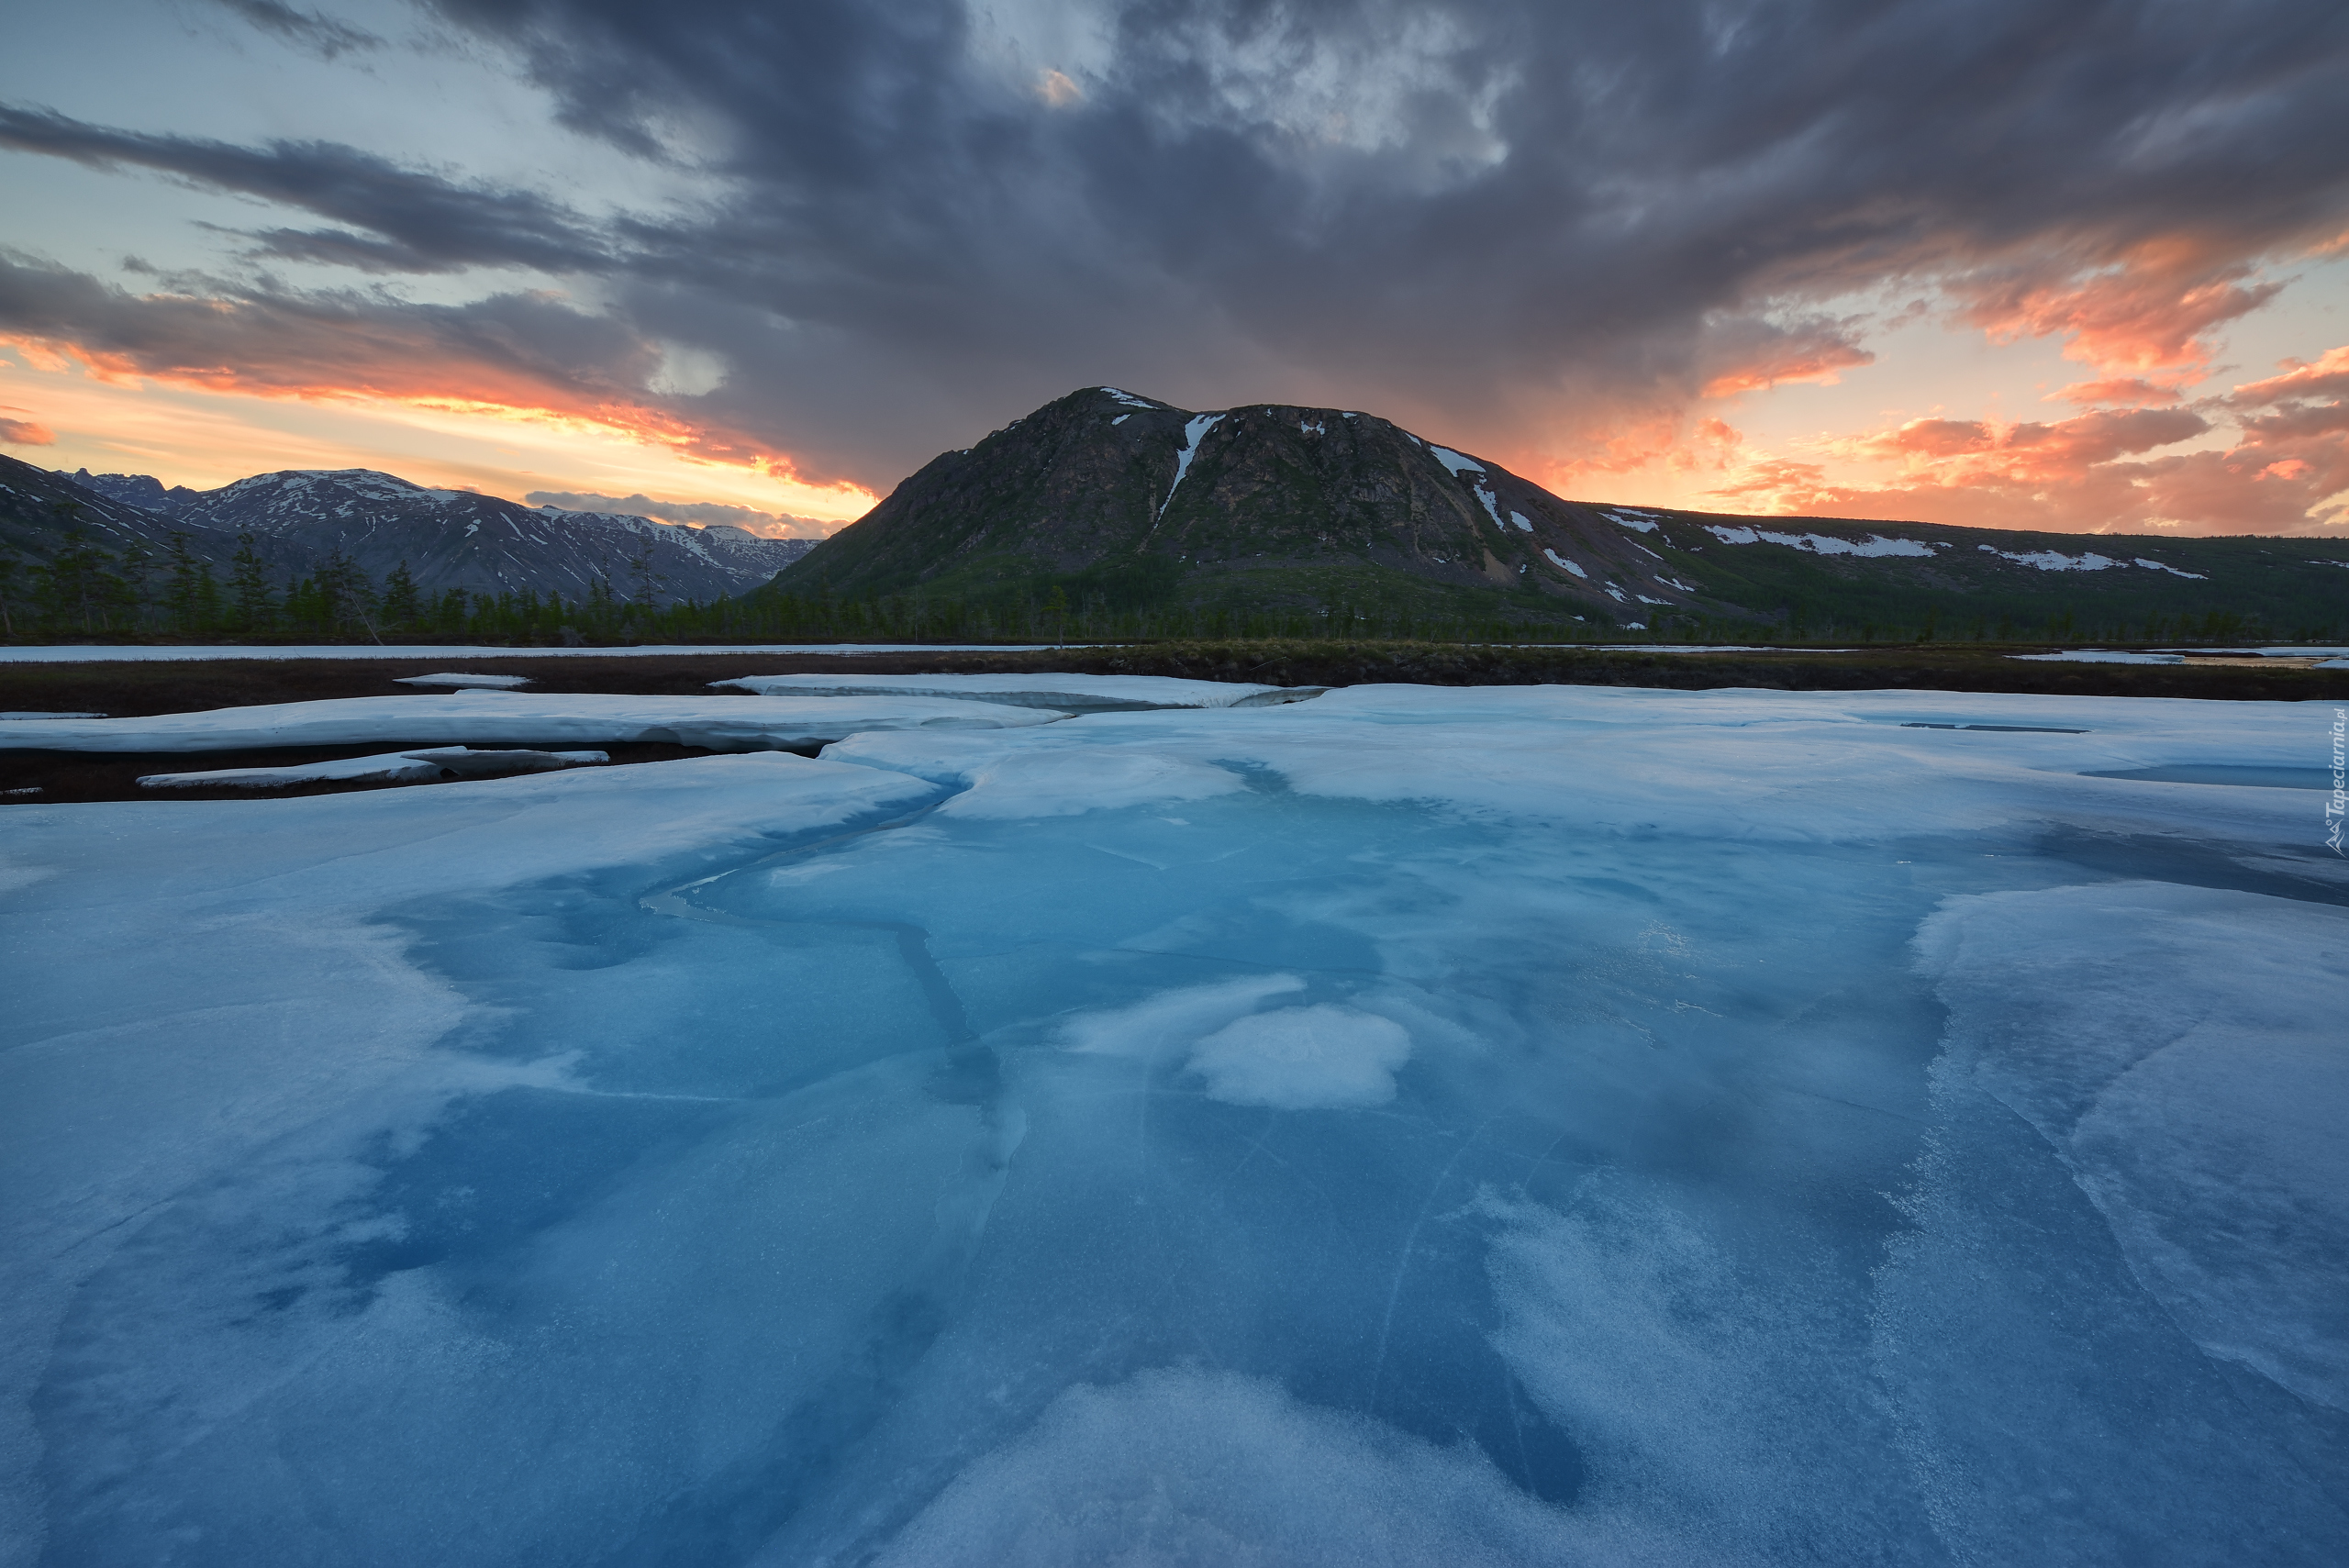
(136, 490)
(40, 510)
(450, 539)
(1110, 494)
(457, 538)
(1147, 500)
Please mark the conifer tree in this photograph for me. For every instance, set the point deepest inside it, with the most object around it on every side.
(252, 603)
(401, 605)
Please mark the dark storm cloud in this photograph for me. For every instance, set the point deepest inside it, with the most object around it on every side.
(307, 31)
(1459, 207)
(432, 222)
(1506, 219)
(516, 349)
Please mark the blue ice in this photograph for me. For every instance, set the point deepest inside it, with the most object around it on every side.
(1497, 1128)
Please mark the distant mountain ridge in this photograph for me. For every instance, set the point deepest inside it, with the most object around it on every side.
(1107, 493)
(449, 538)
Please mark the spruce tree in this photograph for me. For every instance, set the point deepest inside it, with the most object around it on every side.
(401, 605)
(252, 603)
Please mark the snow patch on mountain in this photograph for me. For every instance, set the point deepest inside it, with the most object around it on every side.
(1197, 427)
(1823, 544)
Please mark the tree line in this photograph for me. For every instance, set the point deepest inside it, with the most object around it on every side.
(84, 590)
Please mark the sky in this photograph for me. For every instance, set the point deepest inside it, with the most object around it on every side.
(2080, 267)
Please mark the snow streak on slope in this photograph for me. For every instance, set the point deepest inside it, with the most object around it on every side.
(1194, 431)
(1533, 1126)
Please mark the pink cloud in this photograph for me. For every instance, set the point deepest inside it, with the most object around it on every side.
(2150, 312)
(2130, 392)
(2326, 377)
(529, 356)
(2088, 475)
(25, 432)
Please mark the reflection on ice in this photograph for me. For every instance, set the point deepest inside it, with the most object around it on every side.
(1494, 1126)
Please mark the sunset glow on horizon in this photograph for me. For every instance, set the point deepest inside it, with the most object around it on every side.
(373, 242)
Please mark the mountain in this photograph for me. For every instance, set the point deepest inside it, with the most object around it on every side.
(40, 511)
(450, 539)
(136, 490)
(1133, 501)
(458, 539)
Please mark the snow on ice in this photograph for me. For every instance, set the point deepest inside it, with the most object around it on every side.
(2100, 656)
(83, 653)
(394, 767)
(719, 724)
(456, 681)
(1577, 1126)
(1072, 694)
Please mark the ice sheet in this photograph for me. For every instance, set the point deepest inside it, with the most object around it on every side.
(85, 653)
(2099, 656)
(391, 767)
(1069, 693)
(462, 681)
(719, 724)
(1529, 1125)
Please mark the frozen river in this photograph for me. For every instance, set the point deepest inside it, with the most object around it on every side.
(1530, 1126)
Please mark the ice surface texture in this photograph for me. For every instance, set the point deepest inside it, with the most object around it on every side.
(91, 652)
(1072, 694)
(391, 767)
(1537, 1126)
(461, 681)
(719, 724)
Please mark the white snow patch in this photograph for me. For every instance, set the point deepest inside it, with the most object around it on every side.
(1170, 1021)
(1523, 524)
(80, 653)
(2099, 656)
(459, 681)
(2196, 576)
(1319, 1058)
(1196, 427)
(2054, 560)
(1560, 560)
(396, 767)
(1454, 462)
(1822, 544)
(1637, 521)
(718, 723)
(1068, 693)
